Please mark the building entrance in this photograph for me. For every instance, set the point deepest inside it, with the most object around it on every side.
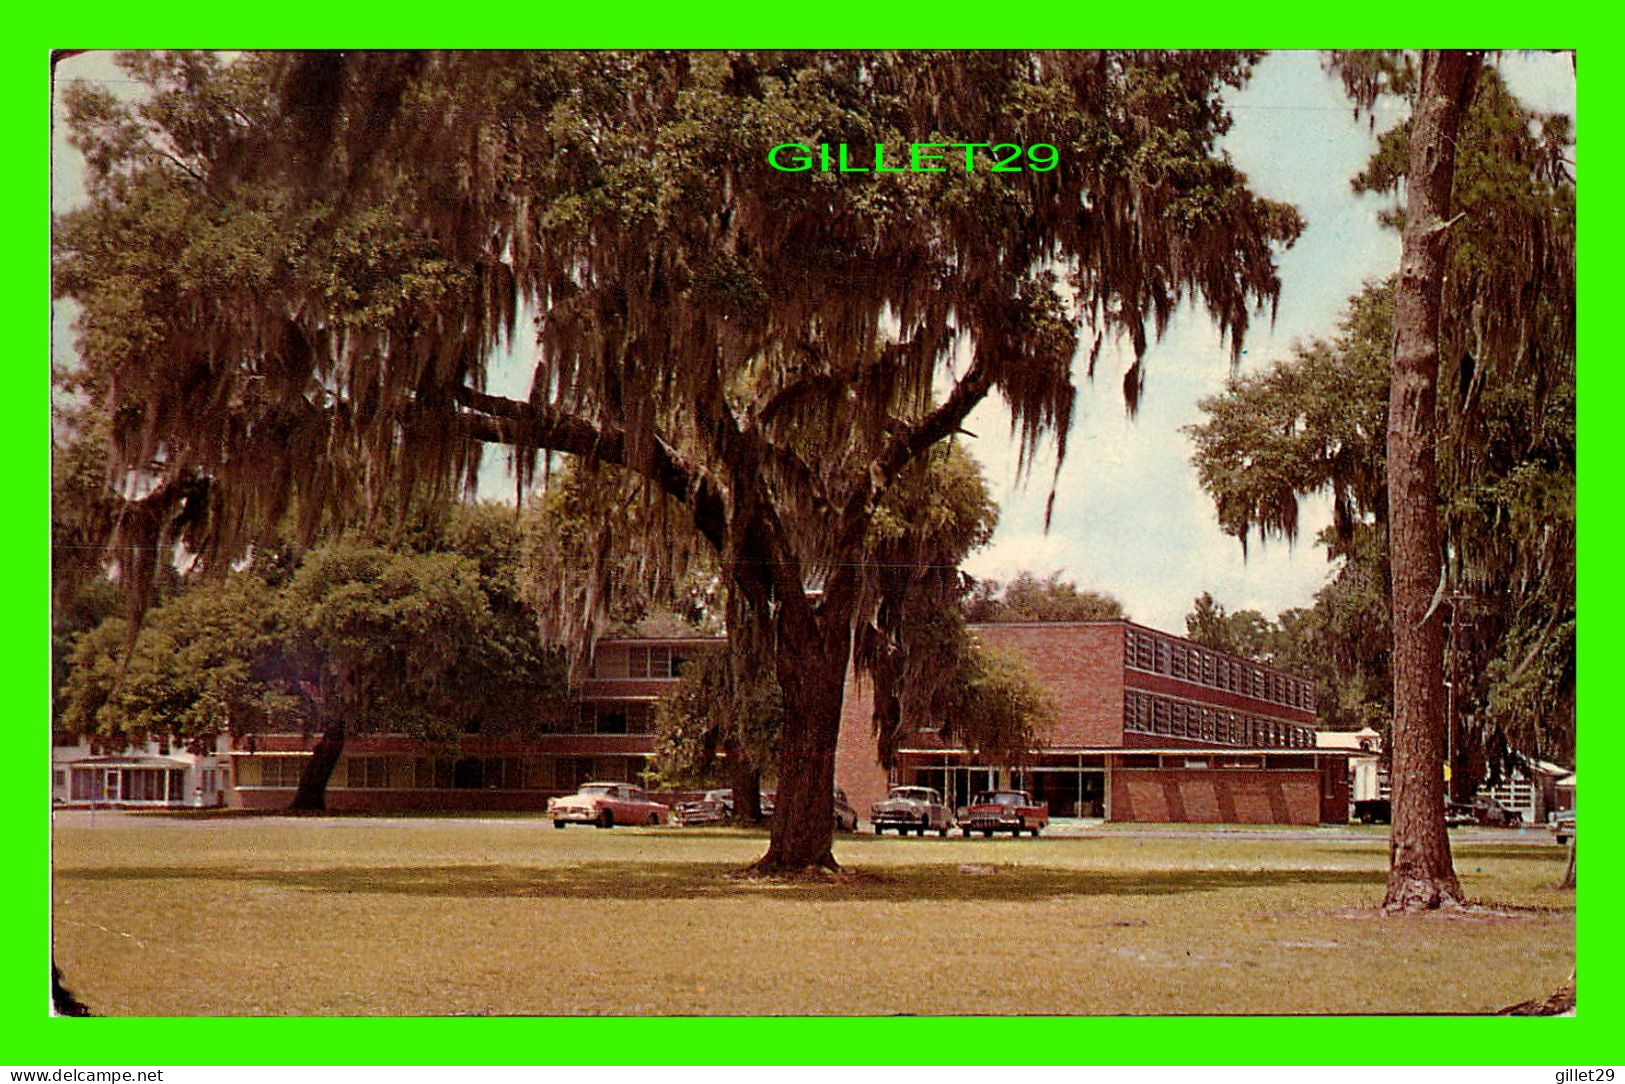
(1069, 792)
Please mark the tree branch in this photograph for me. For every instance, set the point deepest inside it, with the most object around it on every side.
(511, 422)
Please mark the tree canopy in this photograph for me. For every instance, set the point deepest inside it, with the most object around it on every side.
(295, 267)
(1028, 598)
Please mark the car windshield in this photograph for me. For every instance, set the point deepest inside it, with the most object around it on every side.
(597, 788)
(1000, 797)
(914, 794)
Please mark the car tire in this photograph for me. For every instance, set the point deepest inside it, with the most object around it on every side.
(558, 824)
(654, 819)
(879, 831)
(987, 833)
(943, 831)
(1035, 831)
(606, 819)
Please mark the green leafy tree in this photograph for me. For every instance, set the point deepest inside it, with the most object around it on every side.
(203, 664)
(1028, 598)
(721, 714)
(356, 232)
(402, 643)
(1483, 545)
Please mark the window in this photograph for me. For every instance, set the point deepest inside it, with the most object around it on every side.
(278, 771)
(59, 777)
(367, 772)
(86, 785)
(571, 772)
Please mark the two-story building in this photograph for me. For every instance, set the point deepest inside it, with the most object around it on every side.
(1148, 727)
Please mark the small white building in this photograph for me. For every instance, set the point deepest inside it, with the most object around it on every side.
(1365, 782)
(142, 776)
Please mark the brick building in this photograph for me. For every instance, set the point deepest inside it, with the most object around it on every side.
(1149, 727)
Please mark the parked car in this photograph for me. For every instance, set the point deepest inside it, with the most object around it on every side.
(1012, 811)
(606, 805)
(716, 806)
(1491, 813)
(919, 809)
(1563, 826)
(846, 818)
(713, 807)
(1459, 814)
(1373, 811)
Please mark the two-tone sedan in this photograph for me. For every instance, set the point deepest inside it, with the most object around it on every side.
(1012, 811)
(606, 805)
(912, 809)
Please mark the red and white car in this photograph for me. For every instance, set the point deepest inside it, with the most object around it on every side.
(1012, 811)
(606, 805)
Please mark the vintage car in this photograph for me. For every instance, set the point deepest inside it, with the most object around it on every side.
(606, 805)
(916, 809)
(1012, 811)
(713, 807)
(1563, 826)
(846, 818)
(1492, 814)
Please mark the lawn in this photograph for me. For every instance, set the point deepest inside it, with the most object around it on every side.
(250, 916)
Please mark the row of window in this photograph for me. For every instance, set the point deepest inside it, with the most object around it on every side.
(589, 718)
(1158, 654)
(637, 661)
(1147, 713)
(128, 785)
(445, 773)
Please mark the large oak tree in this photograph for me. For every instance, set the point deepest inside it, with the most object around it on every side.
(295, 270)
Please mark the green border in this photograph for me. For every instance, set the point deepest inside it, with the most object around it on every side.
(36, 1039)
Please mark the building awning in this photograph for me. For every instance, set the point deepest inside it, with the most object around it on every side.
(1567, 782)
(127, 762)
(272, 753)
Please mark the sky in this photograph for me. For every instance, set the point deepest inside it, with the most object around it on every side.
(1130, 519)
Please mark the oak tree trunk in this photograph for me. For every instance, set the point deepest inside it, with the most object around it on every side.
(1420, 874)
(813, 679)
(312, 792)
(1568, 876)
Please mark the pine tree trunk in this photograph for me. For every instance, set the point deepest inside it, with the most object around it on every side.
(312, 793)
(1568, 877)
(813, 678)
(1421, 875)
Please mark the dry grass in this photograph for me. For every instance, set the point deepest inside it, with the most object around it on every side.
(161, 916)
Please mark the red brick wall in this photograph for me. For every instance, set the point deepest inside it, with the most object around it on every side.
(1215, 795)
(857, 768)
(1082, 667)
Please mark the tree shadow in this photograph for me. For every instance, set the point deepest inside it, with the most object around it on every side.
(716, 880)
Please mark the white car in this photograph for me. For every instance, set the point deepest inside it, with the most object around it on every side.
(606, 805)
(916, 809)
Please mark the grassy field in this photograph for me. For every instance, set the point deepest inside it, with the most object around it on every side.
(251, 916)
